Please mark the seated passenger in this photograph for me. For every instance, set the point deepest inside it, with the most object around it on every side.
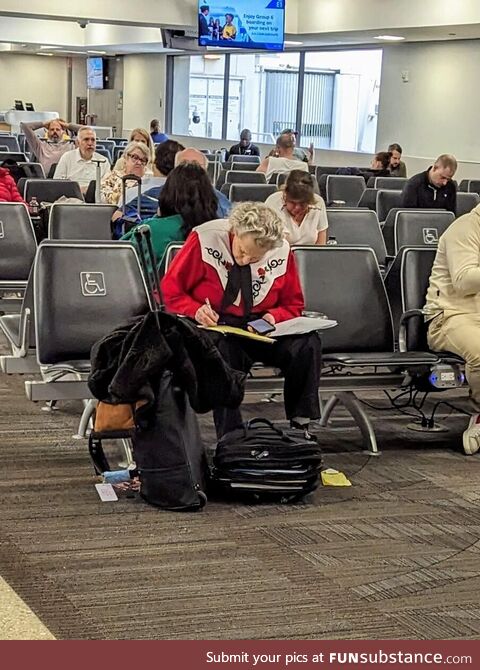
(236, 270)
(397, 166)
(302, 211)
(305, 155)
(433, 189)
(79, 165)
(186, 201)
(155, 133)
(452, 308)
(245, 147)
(164, 163)
(57, 142)
(135, 161)
(283, 160)
(150, 188)
(139, 135)
(8, 188)
(381, 164)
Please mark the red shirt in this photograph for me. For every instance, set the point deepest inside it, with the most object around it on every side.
(8, 188)
(200, 271)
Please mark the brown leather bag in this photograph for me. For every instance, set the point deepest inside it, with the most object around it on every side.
(114, 418)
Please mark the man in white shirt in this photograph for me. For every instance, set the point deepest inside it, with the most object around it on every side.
(79, 165)
(284, 161)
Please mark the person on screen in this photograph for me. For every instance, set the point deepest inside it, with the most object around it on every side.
(229, 32)
(202, 21)
(217, 30)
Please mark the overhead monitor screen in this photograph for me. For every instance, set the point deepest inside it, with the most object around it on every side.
(244, 24)
(94, 72)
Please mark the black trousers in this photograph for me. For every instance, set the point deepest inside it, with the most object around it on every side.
(299, 358)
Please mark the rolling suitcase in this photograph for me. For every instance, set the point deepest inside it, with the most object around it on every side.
(169, 454)
(128, 221)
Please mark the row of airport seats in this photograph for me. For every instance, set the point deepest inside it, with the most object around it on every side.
(72, 281)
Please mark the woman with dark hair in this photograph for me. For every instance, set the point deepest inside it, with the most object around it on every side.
(186, 200)
(381, 163)
(302, 211)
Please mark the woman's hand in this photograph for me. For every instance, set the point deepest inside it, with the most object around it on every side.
(206, 316)
(270, 318)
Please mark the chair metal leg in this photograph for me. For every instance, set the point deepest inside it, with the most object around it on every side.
(327, 409)
(86, 419)
(349, 400)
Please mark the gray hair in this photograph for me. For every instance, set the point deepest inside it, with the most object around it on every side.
(83, 129)
(258, 220)
(143, 148)
(447, 161)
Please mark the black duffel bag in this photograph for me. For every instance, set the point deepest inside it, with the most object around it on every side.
(170, 454)
(265, 463)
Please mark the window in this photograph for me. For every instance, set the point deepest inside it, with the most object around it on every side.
(339, 106)
(262, 94)
(198, 84)
(340, 99)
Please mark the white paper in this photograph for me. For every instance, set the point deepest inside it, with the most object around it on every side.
(106, 492)
(302, 324)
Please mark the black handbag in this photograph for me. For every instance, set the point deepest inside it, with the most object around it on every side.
(264, 462)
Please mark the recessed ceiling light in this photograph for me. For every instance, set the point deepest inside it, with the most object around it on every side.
(91, 51)
(389, 38)
(42, 53)
(212, 56)
(292, 44)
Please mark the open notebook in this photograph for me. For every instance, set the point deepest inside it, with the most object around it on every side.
(297, 326)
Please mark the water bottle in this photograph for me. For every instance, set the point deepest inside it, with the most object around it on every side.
(34, 207)
(332, 240)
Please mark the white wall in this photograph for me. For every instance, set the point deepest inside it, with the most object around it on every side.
(437, 111)
(41, 80)
(144, 91)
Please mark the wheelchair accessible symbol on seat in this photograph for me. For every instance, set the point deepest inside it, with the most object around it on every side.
(93, 283)
(2, 232)
(430, 236)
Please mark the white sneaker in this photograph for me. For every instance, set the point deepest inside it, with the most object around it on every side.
(471, 437)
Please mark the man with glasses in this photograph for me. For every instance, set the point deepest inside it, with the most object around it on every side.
(80, 165)
(433, 189)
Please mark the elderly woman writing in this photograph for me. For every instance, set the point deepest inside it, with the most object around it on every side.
(236, 270)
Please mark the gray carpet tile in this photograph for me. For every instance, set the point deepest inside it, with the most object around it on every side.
(397, 555)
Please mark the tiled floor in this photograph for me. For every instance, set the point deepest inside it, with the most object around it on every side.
(17, 621)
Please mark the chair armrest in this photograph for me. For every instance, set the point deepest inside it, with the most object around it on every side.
(402, 330)
(24, 332)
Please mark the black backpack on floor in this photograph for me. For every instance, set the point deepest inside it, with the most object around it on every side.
(265, 463)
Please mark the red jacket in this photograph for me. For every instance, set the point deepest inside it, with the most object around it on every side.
(8, 188)
(200, 271)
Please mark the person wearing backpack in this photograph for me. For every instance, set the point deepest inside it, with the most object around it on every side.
(8, 188)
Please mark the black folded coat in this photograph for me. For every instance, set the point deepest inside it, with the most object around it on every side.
(127, 364)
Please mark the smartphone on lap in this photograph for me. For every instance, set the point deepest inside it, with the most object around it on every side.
(261, 326)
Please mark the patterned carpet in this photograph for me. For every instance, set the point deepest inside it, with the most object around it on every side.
(397, 555)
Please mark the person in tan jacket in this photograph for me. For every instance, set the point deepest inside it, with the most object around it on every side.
(452, 309)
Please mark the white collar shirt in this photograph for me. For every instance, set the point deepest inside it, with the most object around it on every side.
(72, 166)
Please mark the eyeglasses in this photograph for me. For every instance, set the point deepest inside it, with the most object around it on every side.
(138, 159)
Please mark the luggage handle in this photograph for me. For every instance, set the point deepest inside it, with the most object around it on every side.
(141, 233)
(266, 422)
(131, 177)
